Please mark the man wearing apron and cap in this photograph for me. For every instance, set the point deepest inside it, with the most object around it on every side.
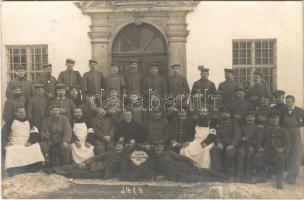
(37, 106)
(70, 77)
(93, 80)
(48, 80)
(20, 80)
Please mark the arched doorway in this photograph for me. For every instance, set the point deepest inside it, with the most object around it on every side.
(142, 42)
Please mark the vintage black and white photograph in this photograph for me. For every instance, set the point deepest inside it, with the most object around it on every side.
(152, 99)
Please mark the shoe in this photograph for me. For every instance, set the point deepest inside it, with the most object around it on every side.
(279, 185)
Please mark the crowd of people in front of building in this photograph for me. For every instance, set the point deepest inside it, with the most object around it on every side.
(58, 126)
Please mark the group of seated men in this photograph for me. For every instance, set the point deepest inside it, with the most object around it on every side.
(198, 137)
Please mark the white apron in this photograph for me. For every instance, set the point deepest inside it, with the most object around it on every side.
(82, 153)
(18, 155)
(195, 151)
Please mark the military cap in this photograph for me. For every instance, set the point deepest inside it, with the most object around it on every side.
(202, 68)
(251, 112)
(20, 67)
(176, 65)
(278, 93)
(93, 61)
(54, 105)
(61, 86)
(133, 61)
(70, 60)
(240, 89)
(228, 70)
(258, 73)
(153, 65)
(38, 85)
(274, 113)
(47, 65)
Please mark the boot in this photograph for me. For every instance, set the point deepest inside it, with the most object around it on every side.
(279, 183)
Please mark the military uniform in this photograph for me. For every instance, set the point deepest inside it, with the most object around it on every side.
(157, 84)
(134, 83)
(10, 107)
(49, 83)
(55, 131)
(176, 167)
(270, 140)
(102, 127)
(227, 133)
(227, 90)
(67, 106)
(158, 131)
(37, 110)
(178, 84)
(246, 150)
(70, 77)
(115, 82)
(181, 131)
(129, 130)
(240, 106)
(93, 82)
(259, 90)
(26, 85)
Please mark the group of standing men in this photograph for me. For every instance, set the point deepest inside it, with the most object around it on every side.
(59, 114)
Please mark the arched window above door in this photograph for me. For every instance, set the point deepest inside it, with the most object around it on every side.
(141, 39)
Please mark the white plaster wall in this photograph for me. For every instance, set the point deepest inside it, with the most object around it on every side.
(212, 27)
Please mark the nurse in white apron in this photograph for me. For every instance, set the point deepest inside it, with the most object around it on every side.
(20, 150)
(195, 151)
(81, 150)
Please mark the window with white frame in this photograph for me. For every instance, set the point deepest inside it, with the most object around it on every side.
(31, 56)
(250, 55)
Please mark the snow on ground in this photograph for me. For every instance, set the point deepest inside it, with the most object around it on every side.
(33, 184)
(28, 185)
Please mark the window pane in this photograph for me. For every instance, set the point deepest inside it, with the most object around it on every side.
(265, 44)
(242, 45)
(235, 61)
(16, 59)
(270, 52)
(249, 61)
(258, 61)
(271, 44)
(243, 61)
(235, 53)
(248, 45)
(265, 61)
(270, 60)
(257, 45)
(264, 53)
(23, 51)
(243, 53)
(15, 51)
(23, 59)
(235, 45)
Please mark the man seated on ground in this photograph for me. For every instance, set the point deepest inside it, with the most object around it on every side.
(103, 132)
(56, 134)
(81, 147)
(23, 152)
(272, 147)
(176, 167)
(104, 165)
